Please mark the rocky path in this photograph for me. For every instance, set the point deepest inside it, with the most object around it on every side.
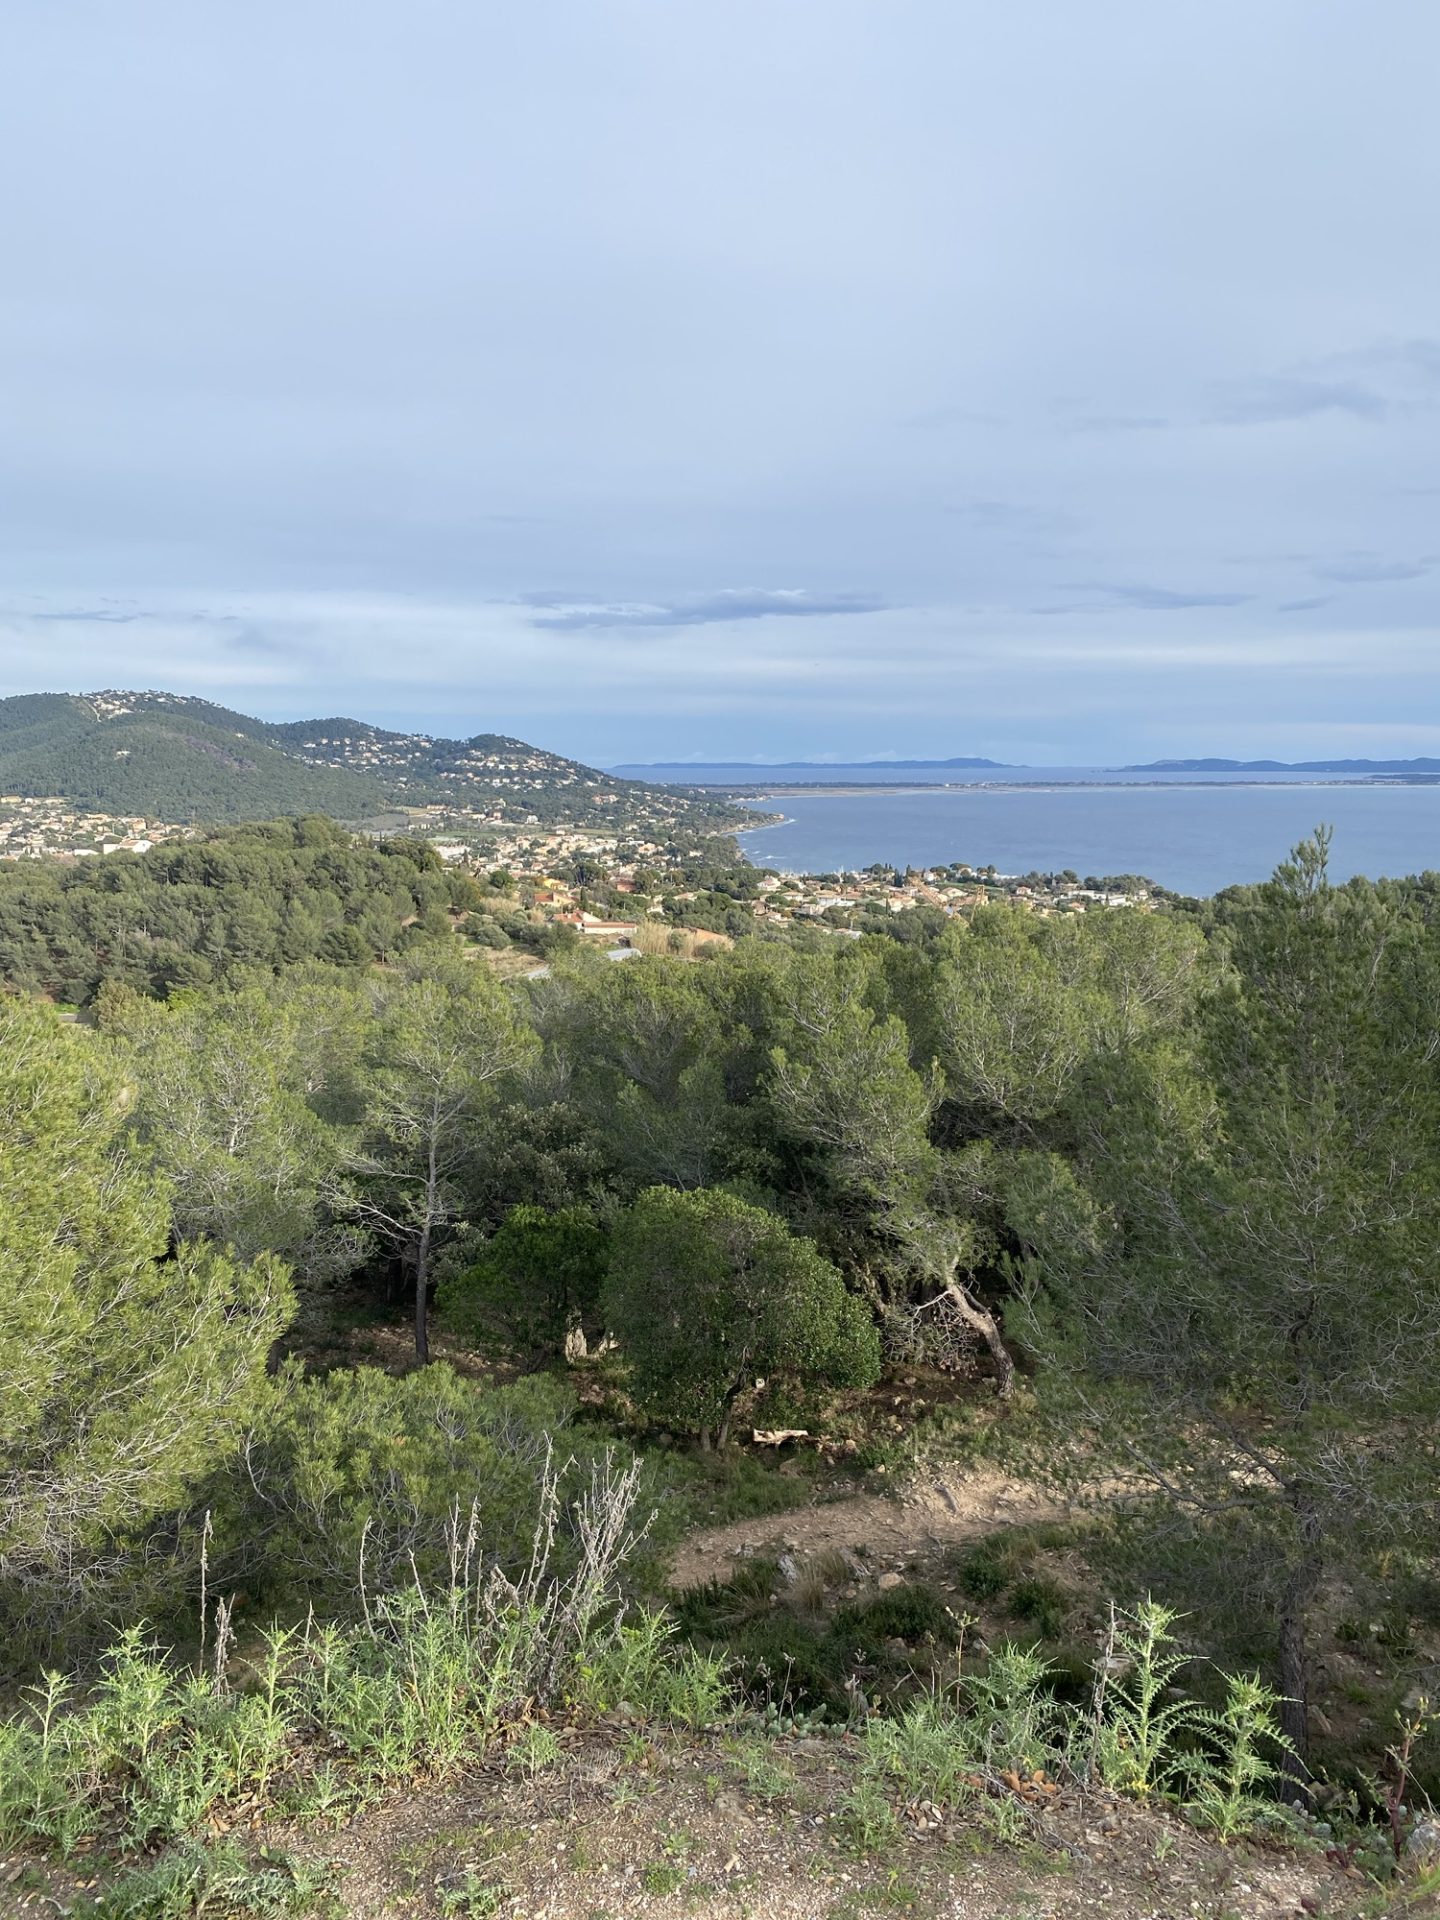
(887, 1532)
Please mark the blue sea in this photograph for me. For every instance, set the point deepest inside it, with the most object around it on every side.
(1195, 833)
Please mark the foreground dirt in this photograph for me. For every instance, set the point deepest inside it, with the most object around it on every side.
(713, 1831)
(711, 1827)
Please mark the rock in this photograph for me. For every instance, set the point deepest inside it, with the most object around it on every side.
(786, 1567)
(1424, 1843)
(889, 1581)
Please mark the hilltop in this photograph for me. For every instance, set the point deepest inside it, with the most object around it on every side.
(175, 757)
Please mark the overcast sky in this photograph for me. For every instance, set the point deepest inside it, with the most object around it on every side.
(1049, 379)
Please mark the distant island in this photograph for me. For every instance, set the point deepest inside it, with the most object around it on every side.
(794, 766)
(1285, 766)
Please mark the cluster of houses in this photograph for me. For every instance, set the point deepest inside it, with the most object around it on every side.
(642, 870)
(646, 872)
(958, 889)
(48, 828)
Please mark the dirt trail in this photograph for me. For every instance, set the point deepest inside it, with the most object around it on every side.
(888, 1532)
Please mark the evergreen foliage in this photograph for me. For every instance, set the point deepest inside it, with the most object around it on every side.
(1235, 1289)
(709, 1295)
(126, 1370)
(193, 913)
(535, 1290)
(1178, 1177)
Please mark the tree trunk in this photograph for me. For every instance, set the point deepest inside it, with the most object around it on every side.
(422, 1255)
(422, 1301)
(982, 1321)
(1292, 1651)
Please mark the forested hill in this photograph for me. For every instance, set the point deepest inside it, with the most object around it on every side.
(172, 757)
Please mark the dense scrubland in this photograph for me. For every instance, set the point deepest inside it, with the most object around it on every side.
(1144, 1207)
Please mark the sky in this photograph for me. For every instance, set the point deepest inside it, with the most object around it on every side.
(735, 379)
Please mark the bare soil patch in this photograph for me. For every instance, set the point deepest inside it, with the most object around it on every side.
(909, 1530)
(656, 1829)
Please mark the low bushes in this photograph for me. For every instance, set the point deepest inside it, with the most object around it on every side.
(786, 1655)
(1139, 1734)
(320, 1719)
(357, 1477)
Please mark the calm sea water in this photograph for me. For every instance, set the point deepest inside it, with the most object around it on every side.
(1195, 833)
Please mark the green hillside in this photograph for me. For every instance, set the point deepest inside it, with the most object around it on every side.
(170, 757)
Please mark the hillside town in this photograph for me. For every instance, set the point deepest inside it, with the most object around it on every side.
(50, 828)
(613, 885)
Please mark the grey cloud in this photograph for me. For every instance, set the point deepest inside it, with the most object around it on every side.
(1367, 383)
(561, 326)
(991, 513)
(933, 419)
(1364, 570)
(563, 615)
(1152, 599)
(256, 640)
(1411, 360)
(1006, 516)
(77, 613)
(1117, 423)
(1280, 397)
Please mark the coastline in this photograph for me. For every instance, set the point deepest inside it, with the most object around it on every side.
(780, 790)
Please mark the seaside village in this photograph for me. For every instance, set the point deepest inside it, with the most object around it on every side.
(621, 889)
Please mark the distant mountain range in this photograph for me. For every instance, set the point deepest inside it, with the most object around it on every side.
(1286, 766)
(172, 757)
(795, 766)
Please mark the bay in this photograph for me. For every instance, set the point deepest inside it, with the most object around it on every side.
(1193, 834)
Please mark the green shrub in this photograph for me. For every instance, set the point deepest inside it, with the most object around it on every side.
(328, 1716)
(362, 1476)
(781, 1656)
(217, 1879)
(641, 1666)
(128, 1365)
(708, 1294)
(1039, 1600)
(536, 1284)
(983, 1573)
(913, 1612)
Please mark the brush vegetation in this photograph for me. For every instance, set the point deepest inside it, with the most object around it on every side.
(1167, 1186)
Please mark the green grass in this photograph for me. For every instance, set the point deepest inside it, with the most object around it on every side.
(220, 1881)
(324, 1721)
(663, 1876)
